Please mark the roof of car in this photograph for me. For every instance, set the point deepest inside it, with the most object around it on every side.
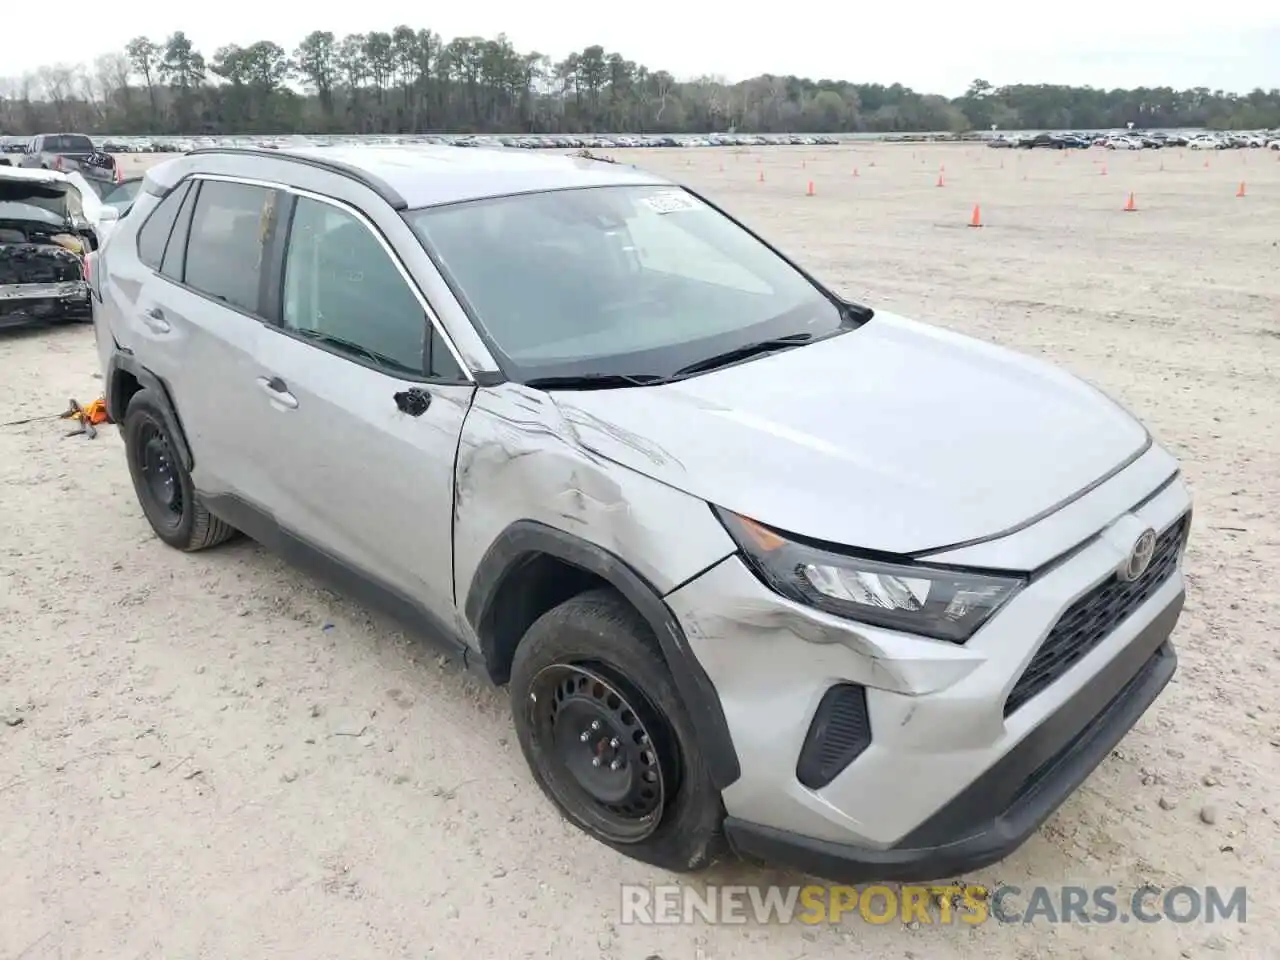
(430, 175)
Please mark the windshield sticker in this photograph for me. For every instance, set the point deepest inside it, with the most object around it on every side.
(670, 202)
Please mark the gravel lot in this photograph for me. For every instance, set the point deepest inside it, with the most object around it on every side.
(213, 756)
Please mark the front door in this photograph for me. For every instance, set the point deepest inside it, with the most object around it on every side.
(367, 405)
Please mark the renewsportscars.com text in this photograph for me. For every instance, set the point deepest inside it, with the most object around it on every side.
(933, 904)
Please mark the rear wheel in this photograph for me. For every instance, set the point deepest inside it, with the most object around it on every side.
(162, 484)
(606, 736)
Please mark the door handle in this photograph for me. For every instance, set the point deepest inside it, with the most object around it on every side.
(154, 318)
(276, 389)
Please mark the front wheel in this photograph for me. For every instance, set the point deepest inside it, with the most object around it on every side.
(607, 737)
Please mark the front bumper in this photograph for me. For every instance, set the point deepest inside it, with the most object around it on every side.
(1002, 808)
(948, 782)
(22, 303)
(65, 290)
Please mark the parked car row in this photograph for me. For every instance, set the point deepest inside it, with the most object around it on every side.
(124, 145)
(1140, 140)
(631, 141)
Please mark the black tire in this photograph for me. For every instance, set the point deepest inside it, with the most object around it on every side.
(180, 520)
(599, 632)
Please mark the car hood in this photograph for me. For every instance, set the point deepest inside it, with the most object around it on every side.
(897, 437)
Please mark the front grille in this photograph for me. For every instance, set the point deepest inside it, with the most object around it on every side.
(1089, 620)
(840, 731)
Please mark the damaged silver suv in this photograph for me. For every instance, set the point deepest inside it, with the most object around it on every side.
(764, 570)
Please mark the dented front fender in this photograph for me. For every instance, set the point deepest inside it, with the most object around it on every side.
(519, 460)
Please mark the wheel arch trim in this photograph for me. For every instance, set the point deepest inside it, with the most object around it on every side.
(527, 538)
(124, 362)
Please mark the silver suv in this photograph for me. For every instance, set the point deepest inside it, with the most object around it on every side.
(758, 564)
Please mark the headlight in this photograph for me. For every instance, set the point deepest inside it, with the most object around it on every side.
(945, 604)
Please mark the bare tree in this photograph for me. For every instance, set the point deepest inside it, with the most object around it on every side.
(57, 84)
(144, 57)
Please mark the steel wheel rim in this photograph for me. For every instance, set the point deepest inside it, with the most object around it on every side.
(608, 757)
(159, 472)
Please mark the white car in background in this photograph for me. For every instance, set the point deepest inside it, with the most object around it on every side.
(1274, 144)
(1123, 143)
(1204, 143)
(50, 222)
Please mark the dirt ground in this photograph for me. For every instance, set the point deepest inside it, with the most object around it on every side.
(213, 756)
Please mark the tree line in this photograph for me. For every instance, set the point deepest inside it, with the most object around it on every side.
(408, 80)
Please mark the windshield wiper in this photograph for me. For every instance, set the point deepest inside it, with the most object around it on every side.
(359, 351)
(745, 352)
(594, 381)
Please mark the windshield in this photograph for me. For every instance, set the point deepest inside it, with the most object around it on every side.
(122, 195)
(50, 199)
(32, 212)
(632, 281)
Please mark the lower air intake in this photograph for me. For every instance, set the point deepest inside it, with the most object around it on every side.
(840, 731)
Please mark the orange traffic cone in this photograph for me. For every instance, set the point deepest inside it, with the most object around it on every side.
(1129, 205)
(941, 180)
(855, 171)
(761, 177)
(810, 191)
(1240, 192)
(1206, 163)
(976, 219)
(1104, 169)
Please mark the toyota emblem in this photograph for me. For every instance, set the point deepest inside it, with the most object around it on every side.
(1139, 559)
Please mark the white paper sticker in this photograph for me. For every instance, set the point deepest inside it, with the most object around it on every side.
(670, 202)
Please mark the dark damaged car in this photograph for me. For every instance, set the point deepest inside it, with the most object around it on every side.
(45, 235)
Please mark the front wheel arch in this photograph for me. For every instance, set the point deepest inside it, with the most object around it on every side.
(499, 580)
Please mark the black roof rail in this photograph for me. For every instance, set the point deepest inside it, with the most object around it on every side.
(351, 171)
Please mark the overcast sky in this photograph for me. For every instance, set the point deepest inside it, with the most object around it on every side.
(933, 46)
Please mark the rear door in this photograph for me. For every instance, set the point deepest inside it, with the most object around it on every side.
(366, 403)
(201, 315)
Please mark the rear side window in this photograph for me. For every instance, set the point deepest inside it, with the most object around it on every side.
(155, 232)
(175, 255)
(224, 249)
(68, 143)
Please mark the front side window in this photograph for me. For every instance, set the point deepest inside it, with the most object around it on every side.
(631, 281)
(225, 246)
(342, 289)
